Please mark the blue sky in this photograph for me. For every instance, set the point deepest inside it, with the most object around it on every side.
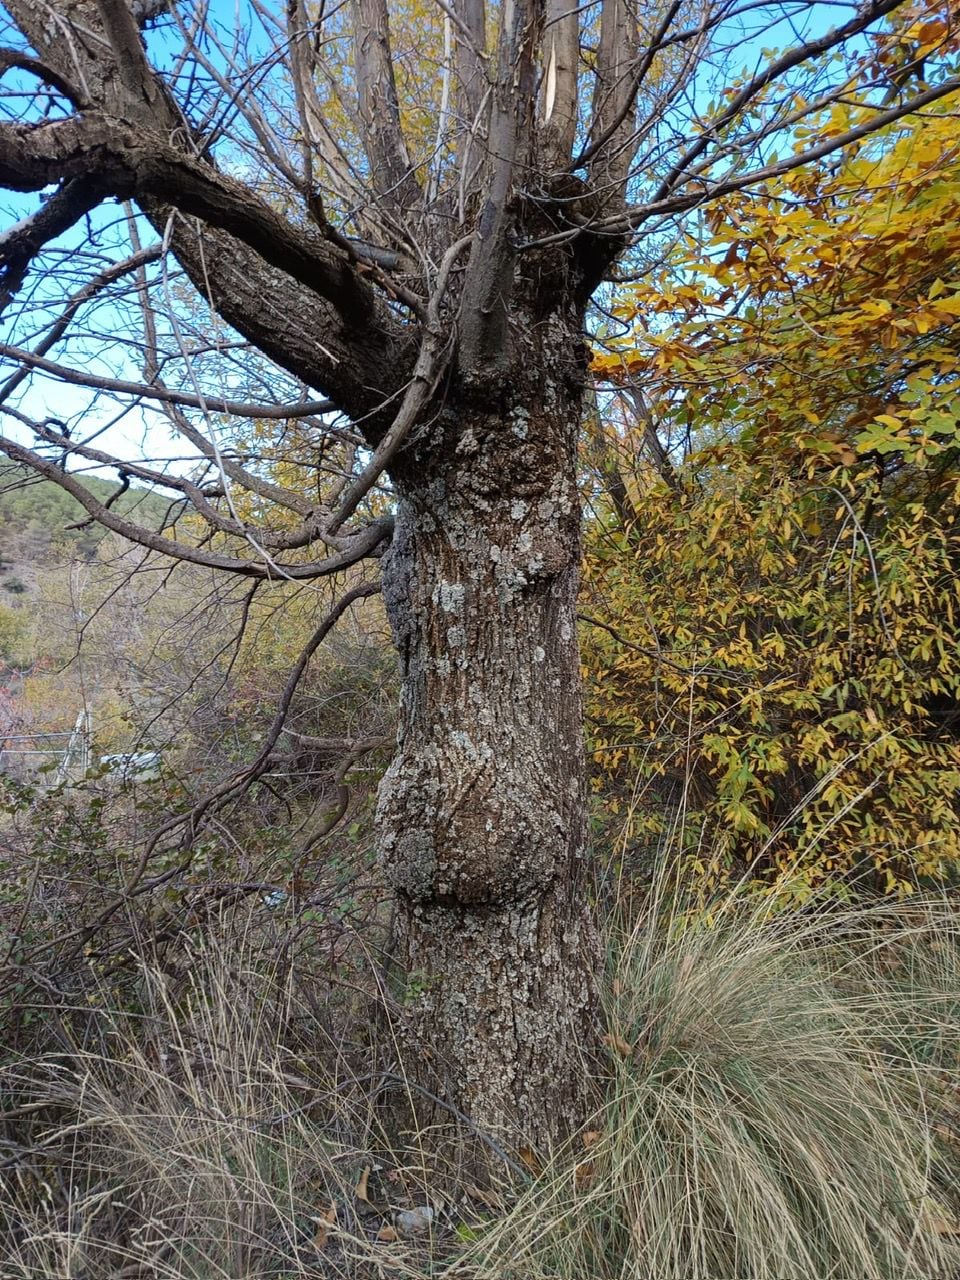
(97, 345)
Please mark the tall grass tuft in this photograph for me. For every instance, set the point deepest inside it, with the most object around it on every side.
(776, 1109)
(782, 1104)
(185, 1142)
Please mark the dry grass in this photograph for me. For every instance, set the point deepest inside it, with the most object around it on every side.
(781, 1108)
(188, 1141)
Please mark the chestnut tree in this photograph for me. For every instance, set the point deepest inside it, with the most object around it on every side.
(411, 214)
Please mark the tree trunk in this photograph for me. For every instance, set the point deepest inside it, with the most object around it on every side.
(482, 813)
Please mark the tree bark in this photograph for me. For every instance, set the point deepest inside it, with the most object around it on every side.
(482, 813)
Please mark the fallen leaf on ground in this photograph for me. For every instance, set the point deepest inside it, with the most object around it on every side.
(940, 1220)
(618, 1044)
(324, 1223)
(490, 1198)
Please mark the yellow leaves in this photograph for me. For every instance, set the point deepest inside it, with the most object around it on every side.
(789, 674)
(614, 366)
(741, 817)
(875, 307)
(948, 306)
(889, 337)
(801, 656)
(926, 36)
(882, 218)
(927, 153)
(924, 320)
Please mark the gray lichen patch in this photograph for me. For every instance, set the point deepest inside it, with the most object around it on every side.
(511, 1007)
(450, 596)
(460, 824)
(520, 422)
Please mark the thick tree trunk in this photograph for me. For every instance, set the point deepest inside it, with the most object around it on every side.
(482, 813)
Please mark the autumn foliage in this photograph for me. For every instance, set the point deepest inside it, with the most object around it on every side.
(778, 685)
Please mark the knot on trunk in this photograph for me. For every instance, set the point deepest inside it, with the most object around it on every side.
(455, 829)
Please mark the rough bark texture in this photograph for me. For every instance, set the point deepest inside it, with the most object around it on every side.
(482, 811)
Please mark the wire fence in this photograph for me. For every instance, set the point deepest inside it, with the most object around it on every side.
(67, 753)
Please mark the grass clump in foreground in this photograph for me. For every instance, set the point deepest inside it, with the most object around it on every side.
(781, 1107)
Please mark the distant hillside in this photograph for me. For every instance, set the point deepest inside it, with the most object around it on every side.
(31, 505)
(35, 526)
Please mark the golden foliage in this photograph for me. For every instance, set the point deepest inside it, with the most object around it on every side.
(784, 661)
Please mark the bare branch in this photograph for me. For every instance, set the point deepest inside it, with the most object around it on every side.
(651, 438)
(489, 279)
(390, 169)
(239, 408)
(302, 333)
(136, 262)
(318, 140)
(13, 59)
(712, 190)
(430, 366)
(303, 535)
(20, 243)
(867, 14)
(128, 163)
(613, 96)
(124, 36)
(361, 545)
(600, 134)
(324, 341)
(469, 21)
(561, 57)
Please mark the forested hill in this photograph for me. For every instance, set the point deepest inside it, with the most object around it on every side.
(37, 516)
(56, 571)
(42, 526)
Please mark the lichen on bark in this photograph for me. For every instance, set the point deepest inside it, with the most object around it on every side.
(482, 812)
